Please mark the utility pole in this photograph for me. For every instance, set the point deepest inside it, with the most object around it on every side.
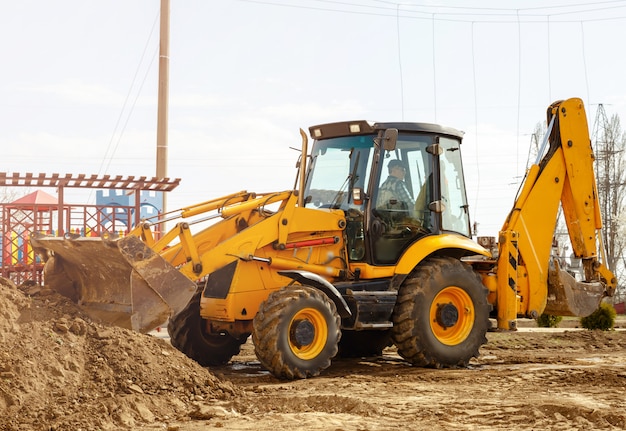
(164, 74)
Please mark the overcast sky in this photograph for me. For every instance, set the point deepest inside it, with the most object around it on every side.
(78, 83)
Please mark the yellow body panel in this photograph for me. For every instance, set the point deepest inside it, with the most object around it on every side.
(431, 244)
(236, 306)
(369, 272)
(260, 255)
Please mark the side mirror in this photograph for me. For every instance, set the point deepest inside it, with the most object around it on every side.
(357, 196)
(435, 149)
(437, 206)
(390, 139)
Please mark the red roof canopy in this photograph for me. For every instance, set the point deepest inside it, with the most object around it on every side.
(39, 199)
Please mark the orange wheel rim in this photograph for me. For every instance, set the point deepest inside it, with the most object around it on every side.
(308, 333)
(452, 315)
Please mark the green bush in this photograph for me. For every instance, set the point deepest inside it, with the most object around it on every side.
(548, 321)
(603, 318)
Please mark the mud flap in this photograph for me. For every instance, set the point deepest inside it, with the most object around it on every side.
(568, 297)
(120, 281)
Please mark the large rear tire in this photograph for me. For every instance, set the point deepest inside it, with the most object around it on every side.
(441, 315)
(296, 332)
(187, 334)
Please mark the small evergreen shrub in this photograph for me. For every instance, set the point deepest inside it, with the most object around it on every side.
(548, 321)
(603, 318)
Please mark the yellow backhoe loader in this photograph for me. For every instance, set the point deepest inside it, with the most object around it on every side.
(373, 247)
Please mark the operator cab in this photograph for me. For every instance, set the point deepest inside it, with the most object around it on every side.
(397, 182)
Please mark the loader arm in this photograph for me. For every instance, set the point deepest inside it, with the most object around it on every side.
(528, 284)
(140, 280)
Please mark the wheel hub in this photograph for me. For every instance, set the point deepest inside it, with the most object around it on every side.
(302, 333)
(447, 315)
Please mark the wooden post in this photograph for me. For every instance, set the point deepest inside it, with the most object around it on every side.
(60, 210)
(164, 71)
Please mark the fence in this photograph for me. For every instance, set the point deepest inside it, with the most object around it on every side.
(18, 260)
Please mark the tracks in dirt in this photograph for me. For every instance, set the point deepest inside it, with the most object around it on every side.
(557, 379)
(514, 351)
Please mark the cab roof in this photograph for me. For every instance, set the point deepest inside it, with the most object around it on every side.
(362, 127)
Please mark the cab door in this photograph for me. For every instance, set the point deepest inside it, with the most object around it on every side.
(400, 212)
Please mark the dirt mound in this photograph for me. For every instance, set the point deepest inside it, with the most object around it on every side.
(59, 370)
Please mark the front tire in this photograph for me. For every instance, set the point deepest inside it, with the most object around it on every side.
(296, 332)
(441, 315)
(187, 334)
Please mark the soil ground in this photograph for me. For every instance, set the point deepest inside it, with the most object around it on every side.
(61, 371)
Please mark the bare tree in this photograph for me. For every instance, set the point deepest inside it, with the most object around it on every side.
(8, 194)
(609, 143)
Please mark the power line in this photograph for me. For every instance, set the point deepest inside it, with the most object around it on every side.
(582, 43)
(475, 121)
(400, 62)
(434, 68)
(106, 159)
(464, 14)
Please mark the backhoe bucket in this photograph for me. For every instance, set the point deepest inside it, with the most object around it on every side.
(568, 297)
(119, 281)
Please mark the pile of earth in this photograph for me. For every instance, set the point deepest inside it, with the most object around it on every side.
(59, 370)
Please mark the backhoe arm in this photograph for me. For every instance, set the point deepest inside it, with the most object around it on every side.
(527, 283)
(579, 199)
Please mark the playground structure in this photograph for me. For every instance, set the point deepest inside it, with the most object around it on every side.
(121, 202)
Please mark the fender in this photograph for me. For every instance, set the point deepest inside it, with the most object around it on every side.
(423, 248)
(314, 280)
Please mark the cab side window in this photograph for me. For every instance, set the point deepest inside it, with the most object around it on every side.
(401, 204)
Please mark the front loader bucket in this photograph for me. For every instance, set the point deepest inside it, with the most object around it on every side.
(119, 281)
(568, 297)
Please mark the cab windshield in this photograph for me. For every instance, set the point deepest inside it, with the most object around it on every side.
(337, 166)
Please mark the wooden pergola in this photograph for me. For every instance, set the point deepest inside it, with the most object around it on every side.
(83, 181)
